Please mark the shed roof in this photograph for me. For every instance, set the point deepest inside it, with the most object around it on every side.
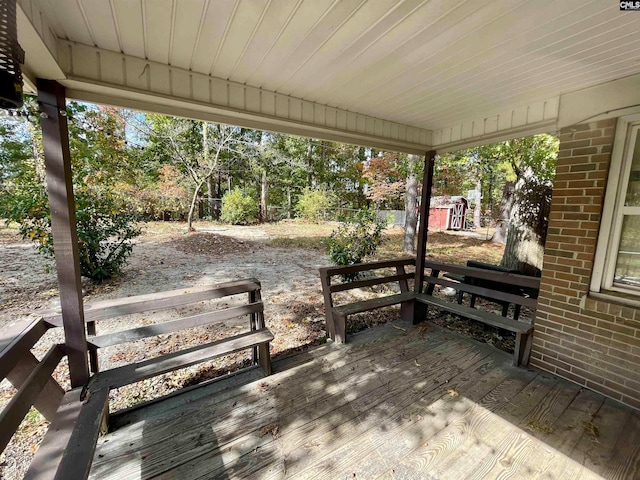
(408, 75)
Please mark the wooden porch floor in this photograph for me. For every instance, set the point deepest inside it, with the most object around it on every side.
(414, 405)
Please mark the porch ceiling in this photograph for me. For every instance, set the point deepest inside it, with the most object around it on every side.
(413, 73)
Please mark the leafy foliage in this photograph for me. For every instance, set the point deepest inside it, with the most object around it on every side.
(99, 153)
(239, 206)
(356, 239)
(104, 232)
(314, 204)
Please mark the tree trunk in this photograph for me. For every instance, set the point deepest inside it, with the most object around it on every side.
(527, 230)
(288, 202)
(211, 186)
(506, 206)
(263, 197)
(411, 214)
(192, 207)
(477, 212)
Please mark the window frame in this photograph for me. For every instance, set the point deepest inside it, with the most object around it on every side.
(613, 211)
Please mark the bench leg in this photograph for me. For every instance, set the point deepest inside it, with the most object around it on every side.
(516, 312)
(264, 358)
(419, 312)
(472, 304)
(505, 309)
(522, 349)
(407, 310)
(460, 294)
(331, 327)
(104, 421)
(340, 328)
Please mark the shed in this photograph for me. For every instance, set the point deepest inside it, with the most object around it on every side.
(447, 212)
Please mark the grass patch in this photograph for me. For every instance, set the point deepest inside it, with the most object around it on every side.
(305, 243)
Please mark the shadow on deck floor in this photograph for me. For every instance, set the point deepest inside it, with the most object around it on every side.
(390, 404)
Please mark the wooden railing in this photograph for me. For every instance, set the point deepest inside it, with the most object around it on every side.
(79, 415)
(33, 380)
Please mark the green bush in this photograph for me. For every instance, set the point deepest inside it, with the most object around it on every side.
(355, 239)
(239, 206)
(314, 205)
(104, 232)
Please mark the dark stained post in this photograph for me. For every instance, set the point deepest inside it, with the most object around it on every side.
(427, 182)
(55, 140)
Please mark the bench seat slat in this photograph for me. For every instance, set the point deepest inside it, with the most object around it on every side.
(480, 315)
(133, 334)
(74, 432)
(127, 374)
(372, 304)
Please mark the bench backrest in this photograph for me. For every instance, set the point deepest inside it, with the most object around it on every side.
(32, 378)
(108, 309)
(500, 285)
(400, 275)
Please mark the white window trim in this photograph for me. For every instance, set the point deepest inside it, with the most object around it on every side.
(604, 264)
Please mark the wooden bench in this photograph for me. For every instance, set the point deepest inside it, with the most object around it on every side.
(490, 284)
(523, 330)
(336, 316)
(80, 414)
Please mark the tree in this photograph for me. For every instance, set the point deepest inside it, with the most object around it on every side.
(385, 180)
(190, 145)
(100, 155)
(533, 160)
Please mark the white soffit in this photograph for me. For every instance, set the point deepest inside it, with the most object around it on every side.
(413, 73)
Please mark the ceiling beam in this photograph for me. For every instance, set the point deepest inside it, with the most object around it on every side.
(98, 75)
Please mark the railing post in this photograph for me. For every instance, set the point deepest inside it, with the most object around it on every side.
(55, 140)
(427, 182)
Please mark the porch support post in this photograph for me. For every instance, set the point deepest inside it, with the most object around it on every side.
(427, 182)
(55, 140)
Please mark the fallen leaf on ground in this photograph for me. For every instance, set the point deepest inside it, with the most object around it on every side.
(453, 392)
(273, 429)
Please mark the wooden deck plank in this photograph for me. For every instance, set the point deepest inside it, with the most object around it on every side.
(299, 425)
(456, 419)
(567, 432)
(304, 426)
(402, 401)
(230, 417)
(380, 409)
(336, 359)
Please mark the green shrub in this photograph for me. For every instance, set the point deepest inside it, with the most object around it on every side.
(314, 205)
(104, 232)
(355, 239)
(239, 206)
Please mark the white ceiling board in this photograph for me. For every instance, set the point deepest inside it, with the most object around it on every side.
(353, 26)
(128, 20)
(511, 74)
(217, 19)
(158, 21)
(345, 56)
(277, 16)
(296, 30)
(248, 19)
(101, 24)
(426, 64)
(187, 29)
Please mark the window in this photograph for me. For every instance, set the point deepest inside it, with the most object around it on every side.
(617, 264)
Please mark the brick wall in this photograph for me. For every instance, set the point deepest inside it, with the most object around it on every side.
(592, 342)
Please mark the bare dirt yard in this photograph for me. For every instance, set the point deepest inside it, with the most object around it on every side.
(284, 257)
